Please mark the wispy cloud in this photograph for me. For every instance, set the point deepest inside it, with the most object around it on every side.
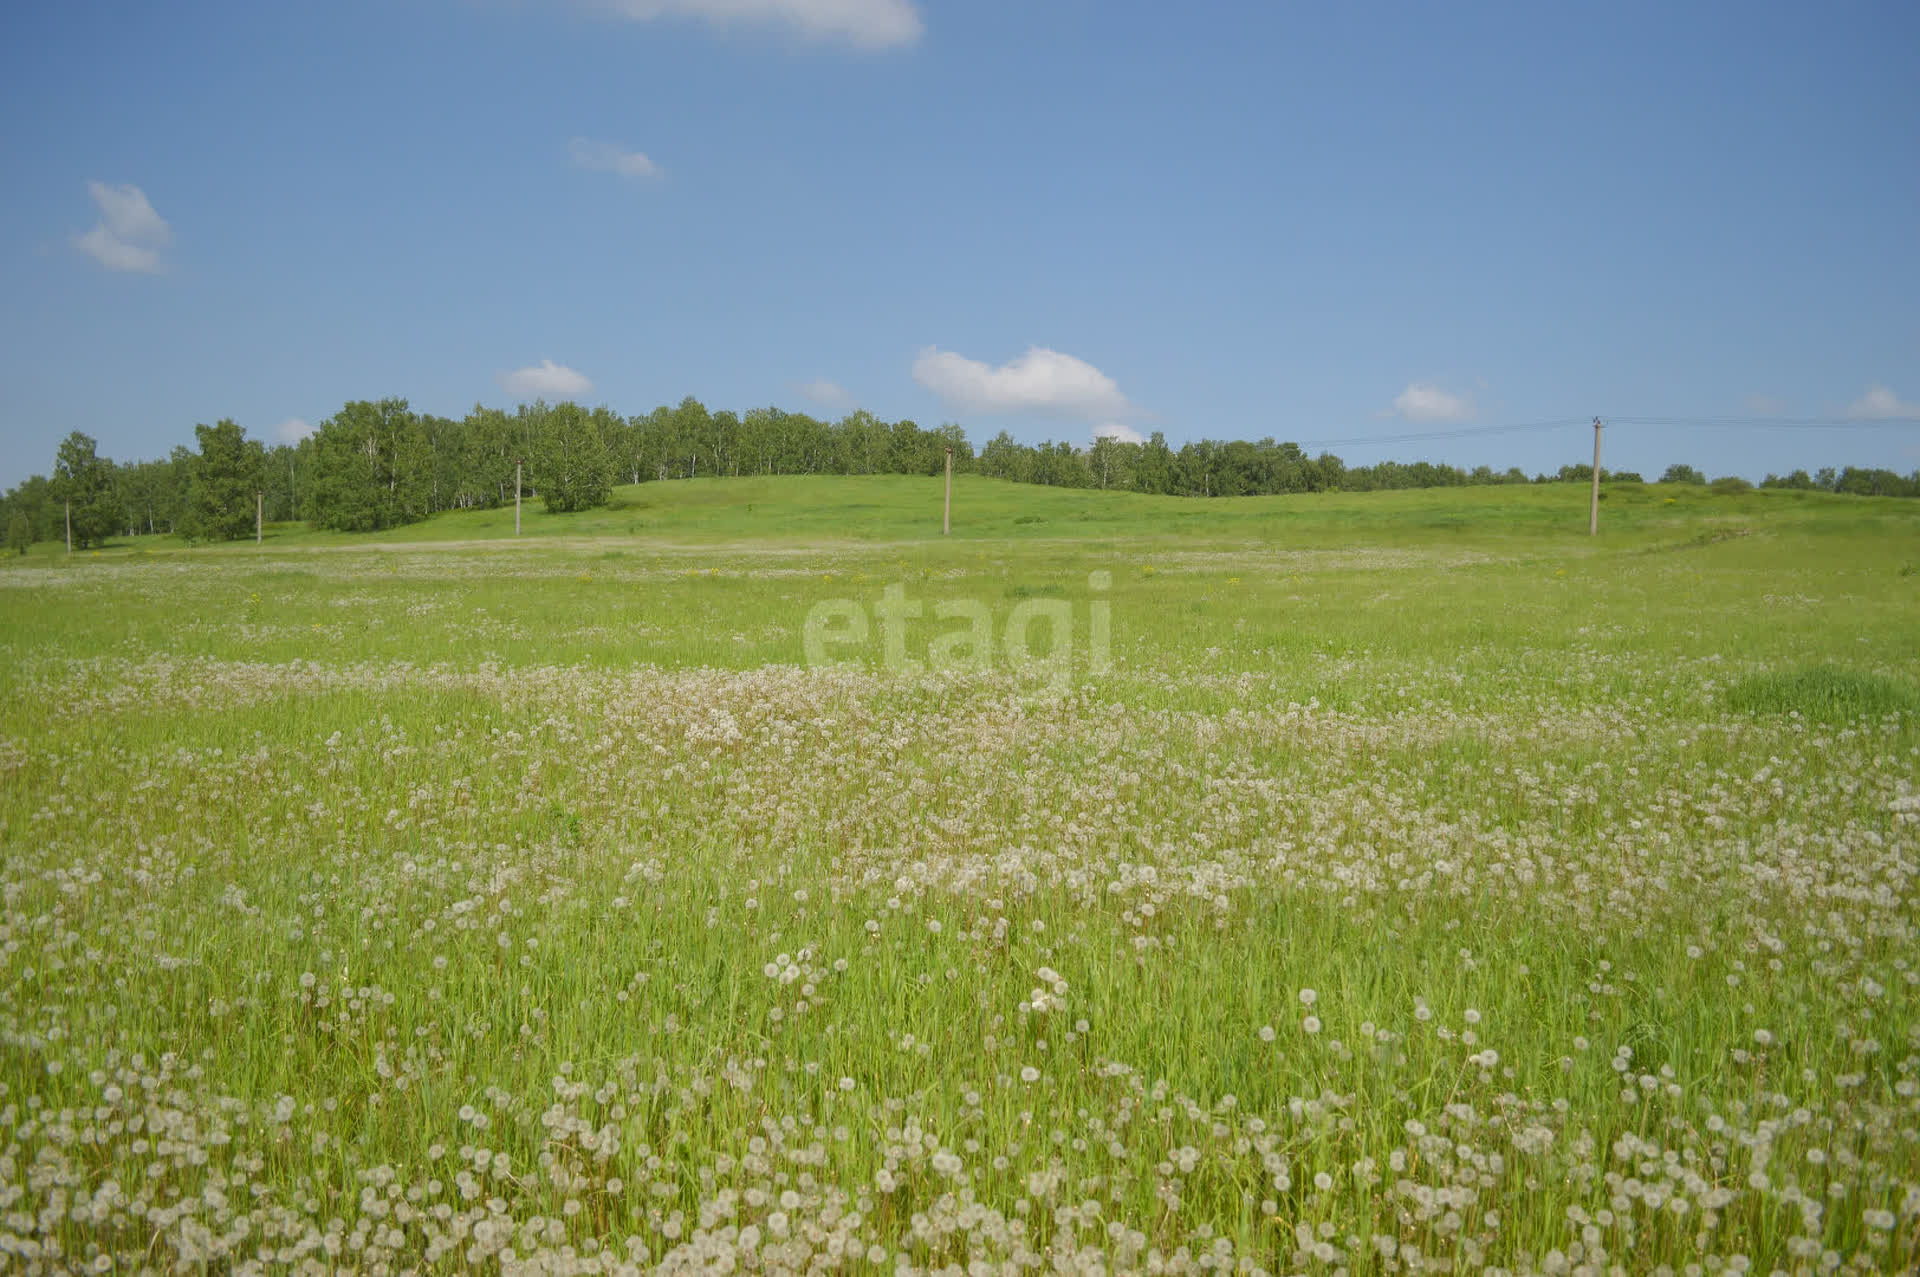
(1042, 381)
(830, 395)
(1114, 430)
(1764, 405)
(605, 157)
(292, 430)
(865, 24)
(546, 379)
(1880, 403)
(129, 235)
(1424, 401)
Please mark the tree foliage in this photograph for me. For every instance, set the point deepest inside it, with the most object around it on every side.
(371, 468)
(83, 486)
(379, 464)
(226, 475)
(572, 467)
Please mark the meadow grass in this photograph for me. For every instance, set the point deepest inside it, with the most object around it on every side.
(1823, 693)
(1422, 886)
(803, 514)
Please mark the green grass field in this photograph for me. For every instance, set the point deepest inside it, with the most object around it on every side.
(1399, 882)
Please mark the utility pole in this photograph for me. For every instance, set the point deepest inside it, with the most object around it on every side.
(946, 519)
(516, 497)
(1593, 506)
(259, 515)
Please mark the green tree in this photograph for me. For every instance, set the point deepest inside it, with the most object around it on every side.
(1153, 469)
(1004, 457)
(1193, 469)
(145, 494)
(83, 485)
(19, 532)
(687, 437)
(34, 498)
(1058, 465)
(1678, 473)
(487, 453)
(370, 467)
(572, 466)
(1111, 461)
(410, 484)
(1874, 482)
(283, 476)
(867, 440)
(723, 440)
(951, 435)
(650, 439)
(226, 475)
(177, 483)
(612, 429)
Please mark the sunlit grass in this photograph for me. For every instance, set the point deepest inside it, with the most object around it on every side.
(1425, 892)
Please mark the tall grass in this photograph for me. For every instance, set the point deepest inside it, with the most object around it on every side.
(1424, 887)
(1823, 694)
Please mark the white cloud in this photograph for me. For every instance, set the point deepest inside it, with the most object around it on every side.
(1114, 430)
(823, 393)
(866, 24)
(129, 235)
(1041, 381)
(605, 157)
(1763, 405)
(292, 430)
(1881, 403)
(128, 213)
(115, 254)
(546, 379)
(1424, 401)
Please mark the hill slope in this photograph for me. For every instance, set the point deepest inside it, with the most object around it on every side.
(821, 510)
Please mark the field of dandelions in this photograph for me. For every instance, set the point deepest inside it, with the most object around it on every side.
(1402, 908)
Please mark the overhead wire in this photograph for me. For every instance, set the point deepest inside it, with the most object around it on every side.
(1770, 423)
(1460, 433)
(1562, 423)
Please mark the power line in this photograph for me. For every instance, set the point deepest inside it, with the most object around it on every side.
(1729, 423)
(1775, 423)
(1461, 433)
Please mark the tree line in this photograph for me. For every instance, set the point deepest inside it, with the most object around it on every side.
(375, 465)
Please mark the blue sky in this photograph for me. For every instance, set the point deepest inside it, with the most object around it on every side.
(1050, 216)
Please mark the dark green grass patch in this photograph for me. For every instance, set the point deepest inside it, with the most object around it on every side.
(1824, 694)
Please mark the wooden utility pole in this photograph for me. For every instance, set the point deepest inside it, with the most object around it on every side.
(946, 519)
(259, 516)
(516, 498)
(1593, 506)
(69, 526)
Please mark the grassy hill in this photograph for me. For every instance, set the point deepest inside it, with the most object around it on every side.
(722, 573)
(822, 510)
